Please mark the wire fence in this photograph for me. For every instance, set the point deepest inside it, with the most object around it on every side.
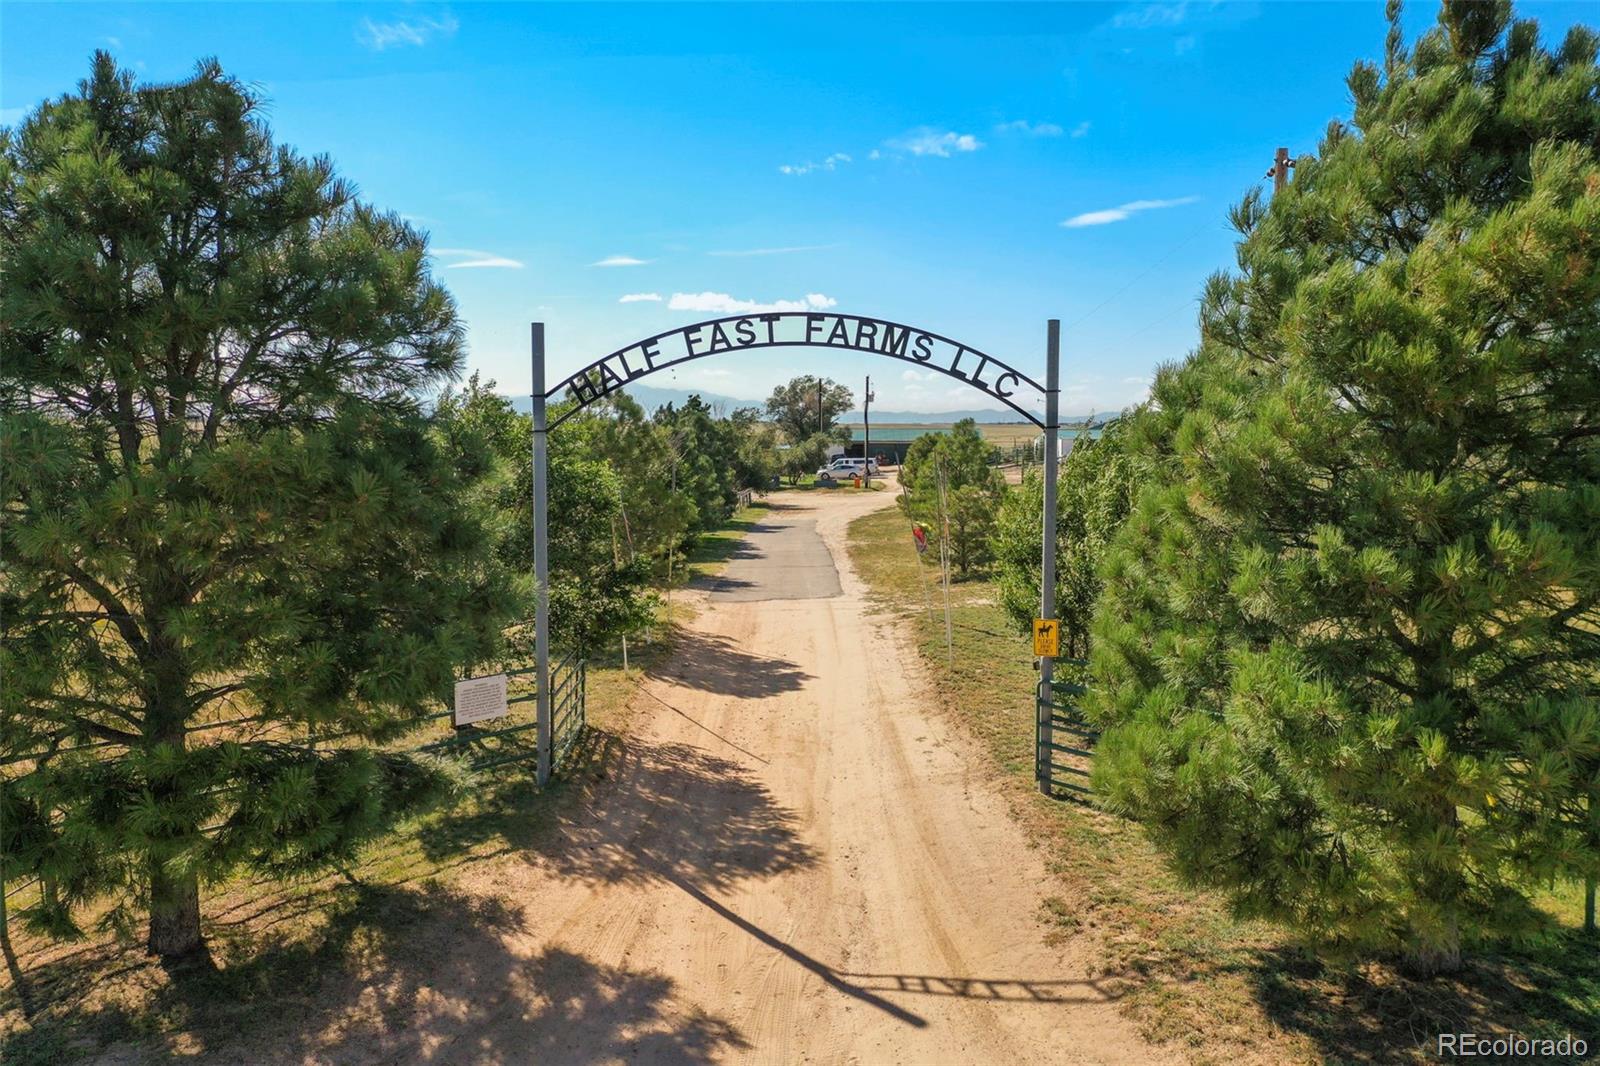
(486, 746)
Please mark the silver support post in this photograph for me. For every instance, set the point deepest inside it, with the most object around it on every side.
(541, 555)
(1047, 562)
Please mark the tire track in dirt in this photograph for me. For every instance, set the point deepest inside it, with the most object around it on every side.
(794, 859)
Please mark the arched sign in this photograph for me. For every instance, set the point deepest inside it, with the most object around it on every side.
(854, 333)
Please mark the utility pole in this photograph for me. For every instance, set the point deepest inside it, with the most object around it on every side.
(1281, 165)
(819, 403)
(541, 562)
(866, 434)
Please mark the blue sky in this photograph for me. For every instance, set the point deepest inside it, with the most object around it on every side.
(974, 170)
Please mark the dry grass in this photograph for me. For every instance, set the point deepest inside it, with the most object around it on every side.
(1195, 978)
(272, 945)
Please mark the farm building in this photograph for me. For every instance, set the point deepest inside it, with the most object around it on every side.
(889, 444)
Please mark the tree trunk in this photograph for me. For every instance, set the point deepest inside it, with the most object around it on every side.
(174, 913)
(174, 897)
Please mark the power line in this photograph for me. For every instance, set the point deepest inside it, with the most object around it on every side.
(1141, 275)
(1154, 322)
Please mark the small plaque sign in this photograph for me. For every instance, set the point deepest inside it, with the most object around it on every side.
(1047, 637)
(479, 699)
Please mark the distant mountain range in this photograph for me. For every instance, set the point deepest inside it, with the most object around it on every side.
(649, 397)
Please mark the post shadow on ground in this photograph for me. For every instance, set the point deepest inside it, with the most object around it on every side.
(419, 971)
(440, 956)
(703, 823)
(718, 665)
(685, 817)
(746, 752)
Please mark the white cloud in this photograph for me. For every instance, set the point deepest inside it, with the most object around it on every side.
(1146, 16)
(1030, 129)
(641, 297)
(1117, 214)
(416, 31)
(1096, 218)
(926, 141)
(728, 305)
(776, 251)
(916, 375)
(473, 258)
(1081, 129)
(830, 163)
(874, 154)
(620, 261)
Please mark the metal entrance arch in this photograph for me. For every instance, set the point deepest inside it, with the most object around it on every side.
(875, 336)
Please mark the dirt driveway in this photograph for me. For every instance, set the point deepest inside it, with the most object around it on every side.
(793, 861)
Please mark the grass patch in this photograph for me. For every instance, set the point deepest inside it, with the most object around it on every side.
(809, 483)
(1195, 979)
(277, 952)
(712, 551)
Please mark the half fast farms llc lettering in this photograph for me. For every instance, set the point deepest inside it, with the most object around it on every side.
(1010, 386)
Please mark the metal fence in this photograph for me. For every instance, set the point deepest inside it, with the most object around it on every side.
(569, 715)
(512, 739)
(485, 746)
(1066, 766)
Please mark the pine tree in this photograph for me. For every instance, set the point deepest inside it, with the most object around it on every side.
(598, 593)
(656, 515)
(1094, 493)
(707, 451)
(965, 509)
(222, 501)
(1348, 648)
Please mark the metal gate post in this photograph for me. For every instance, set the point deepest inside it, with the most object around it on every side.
(541, 556)
(1047, 563)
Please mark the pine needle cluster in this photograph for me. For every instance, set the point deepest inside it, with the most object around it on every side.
(1348, 652)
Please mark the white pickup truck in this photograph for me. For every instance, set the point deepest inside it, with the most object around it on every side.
(844, 468)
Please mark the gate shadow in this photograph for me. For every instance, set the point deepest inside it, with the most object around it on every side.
(681, 816)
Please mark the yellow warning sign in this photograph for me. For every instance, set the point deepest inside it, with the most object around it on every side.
(1047, 637)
